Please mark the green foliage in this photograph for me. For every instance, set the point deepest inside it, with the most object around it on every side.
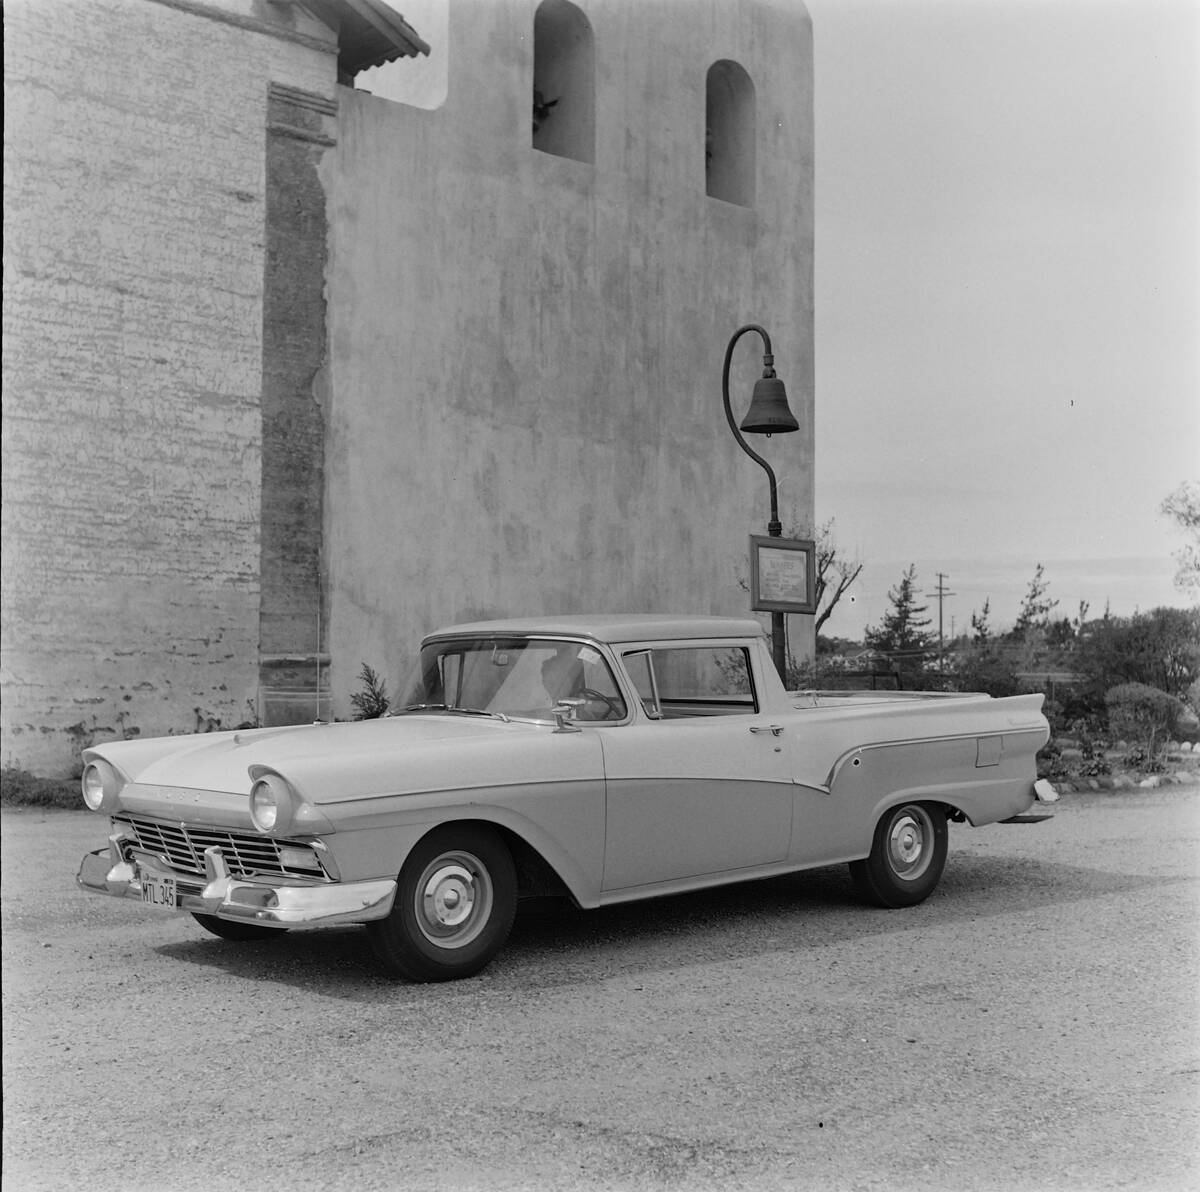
(1036, 607)
(1032, 631)
(983, 664)
(1183, 508)
(903, 634)
(985, 668)
(19, 788)
(372, 701)
(1160, 649)
(1142, 714)
(835, 574)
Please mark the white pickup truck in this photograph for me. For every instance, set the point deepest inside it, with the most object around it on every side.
(604, 758)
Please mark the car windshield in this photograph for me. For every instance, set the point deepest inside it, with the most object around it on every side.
(515, 677)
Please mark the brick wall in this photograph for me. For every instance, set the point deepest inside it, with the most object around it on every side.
(134, 164)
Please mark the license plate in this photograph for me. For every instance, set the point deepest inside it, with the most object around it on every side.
(158, 891)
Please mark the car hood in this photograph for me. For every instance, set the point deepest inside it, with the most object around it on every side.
(227, 761)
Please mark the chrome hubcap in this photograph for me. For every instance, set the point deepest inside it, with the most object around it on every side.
(453, 900)
(910, 841)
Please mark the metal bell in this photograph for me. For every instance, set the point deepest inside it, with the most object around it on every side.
(769, 413)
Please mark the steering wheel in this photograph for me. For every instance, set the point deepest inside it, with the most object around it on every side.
(612, 709)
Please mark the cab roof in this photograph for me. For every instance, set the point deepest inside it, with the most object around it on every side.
(610, 627)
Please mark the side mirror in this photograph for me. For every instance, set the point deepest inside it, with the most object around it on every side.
(565, 712)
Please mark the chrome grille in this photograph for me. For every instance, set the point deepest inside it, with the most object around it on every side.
(246, 854)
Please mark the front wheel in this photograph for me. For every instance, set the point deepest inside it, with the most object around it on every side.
(907, 857)
(454, 906)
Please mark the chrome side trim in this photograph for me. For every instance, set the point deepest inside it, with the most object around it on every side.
(858, 750)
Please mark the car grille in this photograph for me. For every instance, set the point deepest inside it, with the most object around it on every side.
(246, 854)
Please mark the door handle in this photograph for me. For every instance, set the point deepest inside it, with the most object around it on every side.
(774, 729)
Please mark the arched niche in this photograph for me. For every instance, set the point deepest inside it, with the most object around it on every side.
(729, 124)
(564, 90)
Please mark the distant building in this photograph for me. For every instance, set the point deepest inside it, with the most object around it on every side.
(295, 373)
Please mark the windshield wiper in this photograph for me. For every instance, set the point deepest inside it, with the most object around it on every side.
(450, 708)
(478, 712)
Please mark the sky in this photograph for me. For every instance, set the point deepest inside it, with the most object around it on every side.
(1007, 324)
(1006, 273)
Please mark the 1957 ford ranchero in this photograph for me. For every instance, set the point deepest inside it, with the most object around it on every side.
(606, 758)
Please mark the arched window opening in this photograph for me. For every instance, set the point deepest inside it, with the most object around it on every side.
(564, 92)
(729, 159)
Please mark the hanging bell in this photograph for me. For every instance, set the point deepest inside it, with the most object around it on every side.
(769, 413)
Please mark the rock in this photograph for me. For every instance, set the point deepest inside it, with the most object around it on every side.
(1151, 783)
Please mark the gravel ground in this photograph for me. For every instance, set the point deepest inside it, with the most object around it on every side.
(1033, 1026)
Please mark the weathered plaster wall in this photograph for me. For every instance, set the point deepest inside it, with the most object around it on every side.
(133, 273)
(526, 350)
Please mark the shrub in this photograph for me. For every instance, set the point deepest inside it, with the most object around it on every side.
(19, 788)
(1143, 714)
(372, 701)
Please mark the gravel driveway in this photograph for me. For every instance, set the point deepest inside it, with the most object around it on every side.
(1033, 1026)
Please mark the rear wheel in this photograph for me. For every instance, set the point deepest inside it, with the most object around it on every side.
(454, 906)
(907, 857)
(229, 929)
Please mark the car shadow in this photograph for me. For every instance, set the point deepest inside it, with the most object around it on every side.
(554, 944)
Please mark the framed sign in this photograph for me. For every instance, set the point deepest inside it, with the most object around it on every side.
(783, 575)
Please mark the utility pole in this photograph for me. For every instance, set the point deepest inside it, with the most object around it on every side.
(941, 594)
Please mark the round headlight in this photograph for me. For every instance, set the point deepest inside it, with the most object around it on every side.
(271, 804)
(101, 784)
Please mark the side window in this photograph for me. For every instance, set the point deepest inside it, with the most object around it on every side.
(564, 91)
(729, 132)
(694, 681)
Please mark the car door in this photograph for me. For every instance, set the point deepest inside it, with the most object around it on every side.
(704, 789)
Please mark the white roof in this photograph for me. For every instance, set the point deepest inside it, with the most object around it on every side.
(610, 627)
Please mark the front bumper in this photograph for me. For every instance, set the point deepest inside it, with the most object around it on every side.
(263, 901)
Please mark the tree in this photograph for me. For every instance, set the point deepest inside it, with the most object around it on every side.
(1160, 649)
(835, 574)
(1035, 608)
(903, 634)
(1033, 622)
(981, 631)
(984, 664)
(1183, 508)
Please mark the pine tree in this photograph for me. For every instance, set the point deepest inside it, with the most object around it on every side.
(1033, 623)
(984, 665)
(981, 631)
(1035, 608)
(903, 634)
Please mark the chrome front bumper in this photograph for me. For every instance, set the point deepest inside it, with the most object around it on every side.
(266, 902)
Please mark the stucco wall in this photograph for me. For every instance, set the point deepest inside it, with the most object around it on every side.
(133, 270)
(525, 411)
